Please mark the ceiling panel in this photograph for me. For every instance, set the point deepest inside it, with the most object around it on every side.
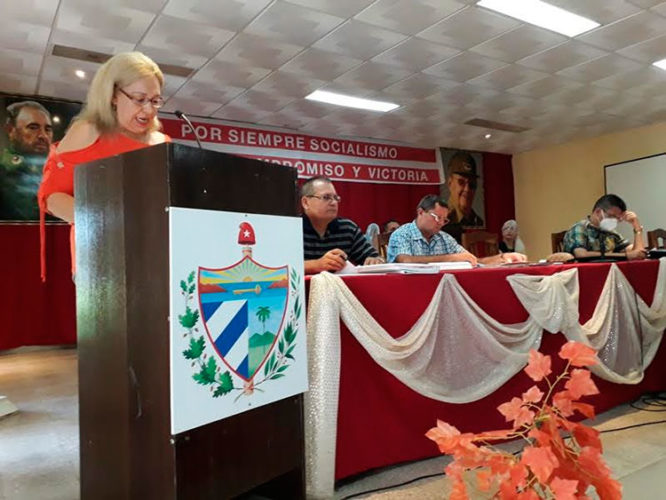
(468, 27)
(38, 12)
(415, 54)
(226, 73)
(23, 36)
(604, 12)
(464, 66)
(519, 43)
(372, 76)
(602, 67)
(408, 16)
(507, 77)
(359, 40)
(232, 15)
(646, 52)
(629, 31)
(340, 8)
(109, 20)
(257, 51)
(186, 37)
(320, 64)
(562, 56)
(290, 23)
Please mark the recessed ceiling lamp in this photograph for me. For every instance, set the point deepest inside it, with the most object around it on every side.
(542, 14)
(56, 119)
(660, 64)
(350, 101)
(487, 136)
(80, 73)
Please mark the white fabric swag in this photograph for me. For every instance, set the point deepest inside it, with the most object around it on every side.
(435, 360)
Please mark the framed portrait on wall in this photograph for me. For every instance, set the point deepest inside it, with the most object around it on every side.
(29, 126)
(463, 190)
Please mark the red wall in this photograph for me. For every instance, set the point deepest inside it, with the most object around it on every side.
(33, 313)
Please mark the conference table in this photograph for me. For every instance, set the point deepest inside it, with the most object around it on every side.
(381, 421)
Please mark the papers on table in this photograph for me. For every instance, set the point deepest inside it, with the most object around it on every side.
(432, 268)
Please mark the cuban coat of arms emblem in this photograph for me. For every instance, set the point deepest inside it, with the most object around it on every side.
(240, 324)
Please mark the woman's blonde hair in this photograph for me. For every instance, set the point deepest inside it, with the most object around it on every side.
(121, 70)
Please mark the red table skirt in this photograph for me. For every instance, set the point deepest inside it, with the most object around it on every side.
(383, 422)
(32, 312)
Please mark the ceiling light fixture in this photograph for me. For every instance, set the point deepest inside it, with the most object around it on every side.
(80, 73)
(56, 119)
(488, 136)
(542, 14)
(660, 64)
(350, 101)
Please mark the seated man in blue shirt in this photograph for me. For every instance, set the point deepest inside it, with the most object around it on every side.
(595, 236)
(328, 240)
(423, 240)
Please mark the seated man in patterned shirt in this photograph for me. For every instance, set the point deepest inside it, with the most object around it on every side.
(329, 240)
(423, 240)
(595, 236)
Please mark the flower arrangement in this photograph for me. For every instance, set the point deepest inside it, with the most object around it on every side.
(551, 465)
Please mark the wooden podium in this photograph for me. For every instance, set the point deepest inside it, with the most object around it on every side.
(122, 292)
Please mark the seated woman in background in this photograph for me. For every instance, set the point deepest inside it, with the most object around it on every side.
(120, 115)
(511, 242)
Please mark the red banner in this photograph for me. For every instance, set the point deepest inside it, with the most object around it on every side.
(353, 171)
(341, 159)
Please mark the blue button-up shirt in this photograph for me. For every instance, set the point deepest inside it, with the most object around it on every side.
(408, 240)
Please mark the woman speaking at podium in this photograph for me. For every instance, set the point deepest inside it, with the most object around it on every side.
(120, 115)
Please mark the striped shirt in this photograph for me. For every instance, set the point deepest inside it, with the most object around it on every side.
(340, 233)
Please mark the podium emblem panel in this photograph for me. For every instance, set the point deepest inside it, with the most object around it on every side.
(236, 313)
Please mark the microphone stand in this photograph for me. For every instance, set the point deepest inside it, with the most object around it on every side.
(182, 116)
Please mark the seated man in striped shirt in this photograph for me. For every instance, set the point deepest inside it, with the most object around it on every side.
(423, 240)
(329, 240)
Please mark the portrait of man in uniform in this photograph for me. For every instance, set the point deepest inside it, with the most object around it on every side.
(463, 191)
(29, 134)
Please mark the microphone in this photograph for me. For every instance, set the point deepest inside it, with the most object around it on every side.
(182, 116)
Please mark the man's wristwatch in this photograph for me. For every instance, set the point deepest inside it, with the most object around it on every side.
(639, 230)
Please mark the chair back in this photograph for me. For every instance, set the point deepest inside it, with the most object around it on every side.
(557, 241)
(382, 244)
(481, 243)
(655, 236)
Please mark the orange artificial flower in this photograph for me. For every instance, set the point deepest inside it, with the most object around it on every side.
(516, 412)
(541, 461)
(581, 384)
(564, 489)
(550, 466)
(578, 354)
(532, 395)
(538, 366)
(563, 402)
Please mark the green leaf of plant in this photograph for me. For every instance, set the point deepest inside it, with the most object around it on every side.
(226, 385)
(207, 374)
(282, 368)
(183, 286)
(190, 278)
(281, 346)
(271, 363)
(289, 333)
(196, 348)
(277, 375)
(190, 318)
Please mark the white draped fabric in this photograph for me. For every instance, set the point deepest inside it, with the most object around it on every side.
(436, 360)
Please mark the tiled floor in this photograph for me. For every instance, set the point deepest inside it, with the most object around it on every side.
(39, 444)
